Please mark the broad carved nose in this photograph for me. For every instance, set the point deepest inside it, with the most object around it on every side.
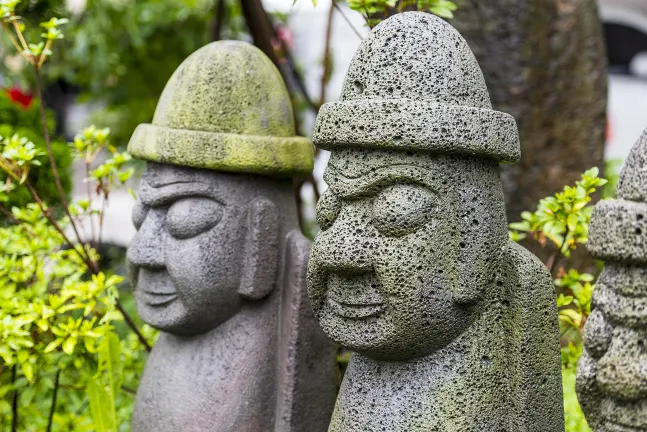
(622, 371)
(147, 247)
(348, 245)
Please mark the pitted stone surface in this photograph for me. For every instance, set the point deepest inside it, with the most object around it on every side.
(453, 326)
(218, 263)
(225, 108)
(415, 84)
(612, 372)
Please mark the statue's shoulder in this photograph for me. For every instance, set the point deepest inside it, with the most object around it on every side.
(538, 386)
(530, 272)
(298, 245)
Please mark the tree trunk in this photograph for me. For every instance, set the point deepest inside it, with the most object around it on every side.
(544, 62)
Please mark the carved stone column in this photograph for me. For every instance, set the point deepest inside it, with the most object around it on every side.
(218, 263)
(453, 325)
(612, 372)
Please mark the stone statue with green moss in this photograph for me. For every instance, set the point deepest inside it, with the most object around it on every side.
(612, 371)
(218, 263)
(453, 325)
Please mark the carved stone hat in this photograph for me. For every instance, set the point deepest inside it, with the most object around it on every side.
(225, 108)
(414, 84)
(618, 230)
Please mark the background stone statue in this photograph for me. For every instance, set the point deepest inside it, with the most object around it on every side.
(612, 372)
(454, 326)
(218, 263)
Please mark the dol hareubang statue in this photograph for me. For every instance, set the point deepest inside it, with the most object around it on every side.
(218, 263)
(454, 326)
(612, 371)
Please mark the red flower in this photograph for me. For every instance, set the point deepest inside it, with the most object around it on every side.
(16, 95)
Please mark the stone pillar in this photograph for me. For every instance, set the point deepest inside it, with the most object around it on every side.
(612, 372)
(218, 263)
(454, 327)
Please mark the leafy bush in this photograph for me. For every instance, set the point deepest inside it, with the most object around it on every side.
(16, 118)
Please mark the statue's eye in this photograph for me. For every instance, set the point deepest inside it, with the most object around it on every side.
(189, 217)
(139, 214)
(402, 209)
(328, 208)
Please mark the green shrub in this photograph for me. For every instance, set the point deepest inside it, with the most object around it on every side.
(25, 121)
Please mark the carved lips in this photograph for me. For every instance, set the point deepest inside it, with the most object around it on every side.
(156, 287)
(354, 296)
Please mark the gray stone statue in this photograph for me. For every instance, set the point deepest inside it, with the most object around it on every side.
(218, 263)
(612, 372)
(454, 327)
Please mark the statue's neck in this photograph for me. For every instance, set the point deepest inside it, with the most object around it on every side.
(450, 389)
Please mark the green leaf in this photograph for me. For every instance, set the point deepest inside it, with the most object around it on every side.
(102, 407)
(103, 389)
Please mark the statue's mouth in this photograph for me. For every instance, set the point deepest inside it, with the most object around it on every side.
(355, 311)
(355, 296)
(153, 299)
(156, 287)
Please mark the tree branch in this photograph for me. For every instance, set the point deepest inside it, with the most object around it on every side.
(50, 154)
(325, 74)
(14, 401)
(132, 326)
(350, 24)
(53, 406)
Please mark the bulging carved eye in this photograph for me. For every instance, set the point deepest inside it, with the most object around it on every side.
(328, 209)
(189, 217)
(139, 214)
(597, 334)
(402, 209)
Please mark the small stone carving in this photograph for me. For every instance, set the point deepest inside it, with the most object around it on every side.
(454, 326)
(218, 263)
(612, 372)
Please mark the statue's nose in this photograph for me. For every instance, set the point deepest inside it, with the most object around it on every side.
(147, 246)
(347, 246)
(622, 371)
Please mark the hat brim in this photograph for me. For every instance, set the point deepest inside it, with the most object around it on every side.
(264, 155)
(403, 124)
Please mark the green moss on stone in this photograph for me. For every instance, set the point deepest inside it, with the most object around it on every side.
(225, 108)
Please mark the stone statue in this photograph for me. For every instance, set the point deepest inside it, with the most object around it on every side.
(218, 263)
(612, 372)
(454, 327)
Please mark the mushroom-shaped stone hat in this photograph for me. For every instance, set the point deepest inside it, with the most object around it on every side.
(225, 108)
(414, 84)
(618, 230)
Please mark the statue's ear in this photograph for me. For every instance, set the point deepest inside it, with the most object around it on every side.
(261, 250)
(474, 248)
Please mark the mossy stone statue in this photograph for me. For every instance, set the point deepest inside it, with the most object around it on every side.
(218, 263)
(454, 326)
(612, 371)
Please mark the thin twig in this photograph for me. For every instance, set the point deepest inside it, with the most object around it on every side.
(53, 406)
(50, 154)
(23, 42)
(43, 55)
(556, 258)
(325, 74)
(132, 325)
(89, 192)
(86, 259)
(15, 221)
(14, 401)
(101, 218)
(13, 39)
(220, 19)
(341, 12)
